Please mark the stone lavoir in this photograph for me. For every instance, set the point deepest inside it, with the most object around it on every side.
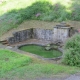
(59, 33)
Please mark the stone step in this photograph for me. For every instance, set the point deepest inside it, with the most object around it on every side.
(4, 42)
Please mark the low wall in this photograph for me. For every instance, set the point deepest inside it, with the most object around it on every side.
(58, 34)
(20, 36)
(43, 34)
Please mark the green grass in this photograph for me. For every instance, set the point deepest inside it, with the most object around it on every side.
(16, 66)
(39, 70)
(39, 50)
(11, 60)
(13, 13)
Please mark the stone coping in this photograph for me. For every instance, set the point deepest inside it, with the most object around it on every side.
(55, 59)
(15, 48)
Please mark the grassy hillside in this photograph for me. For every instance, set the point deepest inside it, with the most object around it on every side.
(13, 13)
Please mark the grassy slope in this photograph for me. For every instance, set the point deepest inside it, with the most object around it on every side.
(13, 12)
(11, 60)
(7, 19)
(14, 66)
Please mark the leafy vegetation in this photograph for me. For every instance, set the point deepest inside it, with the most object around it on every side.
(72, 51)
(13, 13)
(14, 65)
(39, 50)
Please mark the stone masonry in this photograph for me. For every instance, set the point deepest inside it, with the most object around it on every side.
(59, 33)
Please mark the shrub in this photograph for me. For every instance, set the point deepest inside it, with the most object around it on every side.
(72, 51)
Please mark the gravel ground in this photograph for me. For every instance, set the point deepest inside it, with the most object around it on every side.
(71, 77)
(74, 77)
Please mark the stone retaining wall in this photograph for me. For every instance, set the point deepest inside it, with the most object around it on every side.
(60, 33)
(43, 34)
(20, 36)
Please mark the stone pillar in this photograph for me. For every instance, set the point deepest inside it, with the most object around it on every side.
(62, 32)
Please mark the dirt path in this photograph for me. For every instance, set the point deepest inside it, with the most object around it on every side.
(73, 77)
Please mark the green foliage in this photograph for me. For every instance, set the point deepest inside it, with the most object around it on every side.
(75, 12)
(13, 13)
(72, 51)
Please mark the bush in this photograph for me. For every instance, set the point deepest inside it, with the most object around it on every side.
(72, 51)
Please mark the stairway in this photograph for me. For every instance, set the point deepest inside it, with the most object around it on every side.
(4, 42)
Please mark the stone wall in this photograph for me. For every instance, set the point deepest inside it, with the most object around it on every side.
(43, 34)
(61, 34)
(54, 35)
(20, 36)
